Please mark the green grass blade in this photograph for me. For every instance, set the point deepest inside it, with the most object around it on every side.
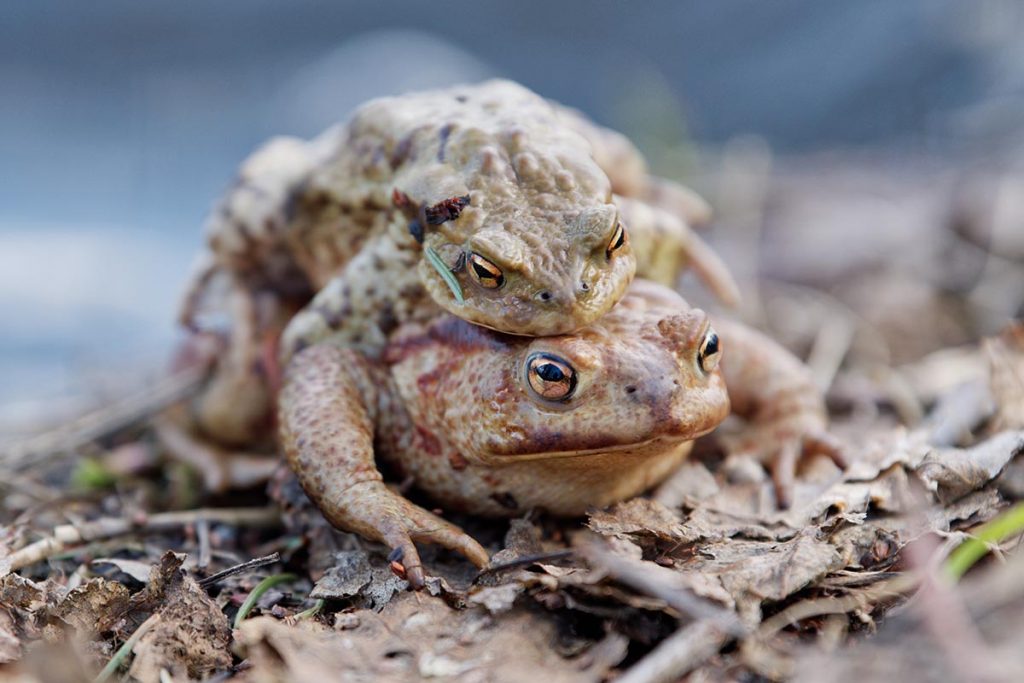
(257, 592)
(973, 549)
(446, 274)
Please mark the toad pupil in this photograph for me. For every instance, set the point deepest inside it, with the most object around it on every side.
(549, 372)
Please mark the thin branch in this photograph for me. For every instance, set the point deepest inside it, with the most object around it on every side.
(239, 568)
(526, 560)
(652, 580)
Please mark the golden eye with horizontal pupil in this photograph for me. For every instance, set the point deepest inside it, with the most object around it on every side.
(617, 241)
(710, 352)
(550, 377)
(486, 273)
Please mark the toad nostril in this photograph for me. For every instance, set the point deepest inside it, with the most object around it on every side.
(631, 389)
(584, 286)
(545, 295)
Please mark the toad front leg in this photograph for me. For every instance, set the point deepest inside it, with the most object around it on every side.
(786, 412)
(328, 411)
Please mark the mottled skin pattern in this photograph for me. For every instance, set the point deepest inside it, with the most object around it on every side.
(454, 407)
(546, 187)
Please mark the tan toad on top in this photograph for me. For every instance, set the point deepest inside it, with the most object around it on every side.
(503, 208)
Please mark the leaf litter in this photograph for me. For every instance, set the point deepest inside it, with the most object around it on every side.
(703, 578)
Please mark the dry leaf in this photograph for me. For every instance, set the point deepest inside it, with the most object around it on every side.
(355, 575)
(95, 606)
(192, 638)
(954, 472)
(639, 519)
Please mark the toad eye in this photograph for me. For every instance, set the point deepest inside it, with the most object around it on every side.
(617, 241)
(550, 377)
(710, 352)
(488, 275)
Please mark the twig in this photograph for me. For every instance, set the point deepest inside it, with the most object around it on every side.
(649, 579)
(812, 608)
(257, 593)
(68, 535)
(127, 647)
(525, 560)
(103, 421)
(677, 655)
(239, 568)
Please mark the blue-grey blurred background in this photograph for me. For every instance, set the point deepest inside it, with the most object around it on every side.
(121, 121)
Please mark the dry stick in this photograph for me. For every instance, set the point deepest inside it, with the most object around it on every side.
(239, 568)
(98, 423)
(525, 560)
(637, 575)
(68, 535)
(813, 608)
(677, 655)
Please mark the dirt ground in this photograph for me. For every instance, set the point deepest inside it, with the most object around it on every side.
(898, 282)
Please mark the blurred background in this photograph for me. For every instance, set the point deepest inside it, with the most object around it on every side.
(862, 157)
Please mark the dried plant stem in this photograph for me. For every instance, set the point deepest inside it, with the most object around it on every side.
(68, 535)
(239, 568)
(680, 653)
(648, 580)
(805, 609)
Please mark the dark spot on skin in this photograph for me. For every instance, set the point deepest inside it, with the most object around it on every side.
(457, 461)
(401, 153)
(446, 131)
(371, 291)
(412, 291)
(399, 199)
(386, 319)
(631, 389)
(460, 98)
(416, 230)
(396, 555)
(427, 442)
(291, 204)
(332, 318)
(545, 296)
(505, 500)
(446, 210)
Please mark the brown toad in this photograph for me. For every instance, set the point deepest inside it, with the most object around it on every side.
(496, 424)
(488, 201)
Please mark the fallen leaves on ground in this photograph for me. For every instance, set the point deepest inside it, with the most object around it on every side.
(702, 576)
